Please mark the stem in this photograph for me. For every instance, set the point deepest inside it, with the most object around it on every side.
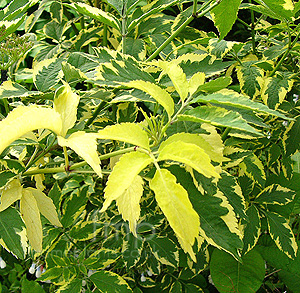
(66, 158)
(77, 165)
(195, 8)
(285, 54)
(182, 27)
(95, 114)
(104, 40)
(244, 23)
(124, 33)
(82, 24)
(225, 133)
(5, 104)
(253, 30)
(32, 157)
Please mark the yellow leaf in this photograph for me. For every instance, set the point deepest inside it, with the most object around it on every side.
(173, 200)
(45, 206)
(189, 154)
(195, 81)
(31, 216)
(11, 193)
(129, 203)
(127, 132)
(156, 92)
(66, 103)
(39, 178)
(177, 76)
(123, 175)
(85, 145)
(24, 119)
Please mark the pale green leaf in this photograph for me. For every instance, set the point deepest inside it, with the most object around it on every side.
(123, 175)
(284, 8)
(196, 81)
(129, 203)
(31, 216)
(215, 85)
(45, 206)
(189, 154)
(178, 77)
(66, 103)
(85, 145)
(127, 132)
(24, 119)
(11, 193)
(224, 15)
(174, 201)
(156, 92)
(97, 14)
(282, 234)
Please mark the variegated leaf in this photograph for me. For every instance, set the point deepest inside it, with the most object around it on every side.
(127, 132)
(132, 250)
(219, 48)
(282, 234)
(24, 119)
(85, 145)
(156, 92)
(129, 203)
(291, 137)
(275, 194)
(86, 230)
(284, 8)
(275, 89)
(173, 200)
(123, 175)
(190, 154)
(252, 228)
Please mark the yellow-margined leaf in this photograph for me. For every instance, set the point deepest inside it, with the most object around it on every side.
(66, 103)
(189, 154)
(173, 200)
(129, 203)
(24, 119)
(31, 216)
(46, 206)
(123, 175)
(127, 132)
(156, 92)
(10, 194)
(177, 76)
(85, 145)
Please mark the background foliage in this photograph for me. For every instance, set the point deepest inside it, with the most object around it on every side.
(149, 146)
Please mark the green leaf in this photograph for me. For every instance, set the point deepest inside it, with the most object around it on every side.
(291, 139)
(284, 8)
(250, 77)
(282, 234)
(219, 48)
(229, 275)
(13, 165)
(74, 286)
(31, 286)
(97, 14)
(215, 84)
(275, 89)
(54, 30)
(275, 194)
(123, 175)
(5, 177)
(174, 201)
(189, 154)
(156, 92)
(231, 98)
(165, 250)
(252, 229)
(217, 117)
(127, 132)
(103, 257)
(85, 145)
(213, 223)
(47, 74)
(135, 48)
(86, 230)
(109, 282)
(72, 74)
(9, 89)
(224, 15)
(14, 240)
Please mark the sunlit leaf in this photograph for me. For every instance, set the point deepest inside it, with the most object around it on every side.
(173, 200)
(24, 119)
(11, 193)
(31, 216)
(85, 145)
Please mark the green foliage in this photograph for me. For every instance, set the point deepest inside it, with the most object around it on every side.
(142, 152)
